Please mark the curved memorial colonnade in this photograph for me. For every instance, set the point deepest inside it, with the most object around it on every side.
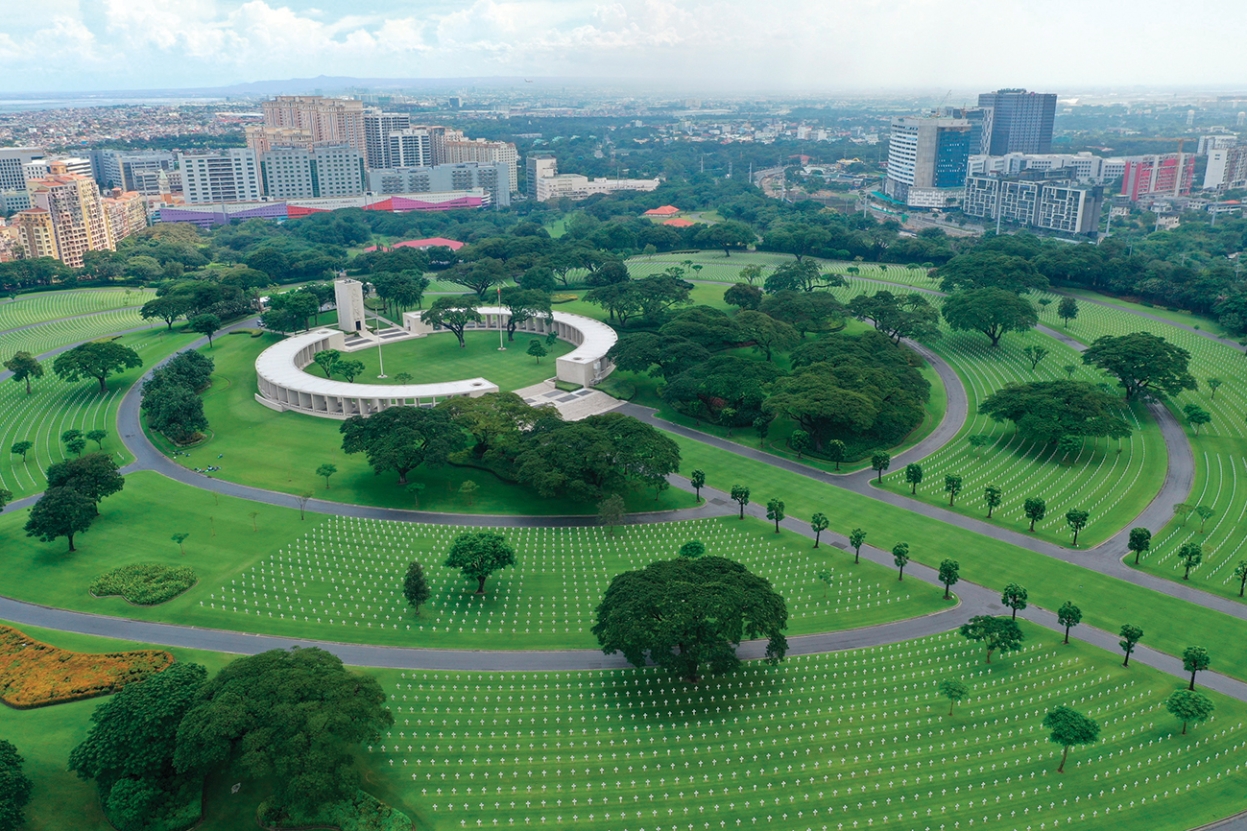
(283, 385)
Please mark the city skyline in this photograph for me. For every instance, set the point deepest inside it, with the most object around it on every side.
(64, 45)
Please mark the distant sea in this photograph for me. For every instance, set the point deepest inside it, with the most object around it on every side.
(15, 105)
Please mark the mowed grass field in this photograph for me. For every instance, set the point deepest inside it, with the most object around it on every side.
(254, 445)
(47, 306)
(853, 739)
(439, 358)
(334, 578)
(55, 406)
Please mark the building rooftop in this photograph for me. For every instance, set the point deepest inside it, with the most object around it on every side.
(679, 223)
(665, 210)
(431, 242)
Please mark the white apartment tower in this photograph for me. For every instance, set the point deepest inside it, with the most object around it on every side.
(220, 176)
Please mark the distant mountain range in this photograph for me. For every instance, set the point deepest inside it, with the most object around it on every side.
(323, 84)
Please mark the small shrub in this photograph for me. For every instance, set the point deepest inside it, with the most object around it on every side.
(144, 584)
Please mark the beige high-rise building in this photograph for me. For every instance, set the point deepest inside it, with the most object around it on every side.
(79, 223)
(126, 212)
(457, 150)
(35, 234)
(325, 120)
(261, 138)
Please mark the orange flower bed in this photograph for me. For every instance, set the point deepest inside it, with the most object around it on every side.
(34, 674)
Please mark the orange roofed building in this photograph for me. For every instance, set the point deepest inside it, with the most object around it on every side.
(679, 223)
(665, 210)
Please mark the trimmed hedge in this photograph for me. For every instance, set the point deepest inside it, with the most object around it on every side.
(34, 674)
(144, 584)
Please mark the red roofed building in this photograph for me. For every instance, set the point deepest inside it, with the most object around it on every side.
(679, 223)
(665, 210)
(422, 244)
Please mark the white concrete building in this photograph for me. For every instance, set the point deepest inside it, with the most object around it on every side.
(299, 173)
(220, 176)
(349, 298)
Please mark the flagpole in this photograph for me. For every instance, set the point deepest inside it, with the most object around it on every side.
(501, 346)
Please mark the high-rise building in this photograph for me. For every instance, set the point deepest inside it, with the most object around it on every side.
(538, 166)
(126, 212)
(1021, 121)
(1169, 174)
(38, 239)
(41, 168)
(378, 126)
(1061, 205)
(1216, 141)
(299, 173)
(77, 216)
(492, 177)
(928, 159)
(326, 120)
(1227, 168)
(459, 150)
(411, 147)
(220, 176)
(262, 138)
(12, 159)
(132, 171)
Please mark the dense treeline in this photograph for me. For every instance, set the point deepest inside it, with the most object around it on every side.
(171, 399)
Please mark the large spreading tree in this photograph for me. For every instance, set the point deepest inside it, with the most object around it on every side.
(25, 367)
(1048, 410)
(292, 719)
(1070, 728)
(689, 615)
(995, 633)
(95, 359)
(402, 438)
(992, 311)
(453, 313)
(478, 554)
(94, 475)
(60, 512)
(1142, 363)
(15, 788)
(129, 751)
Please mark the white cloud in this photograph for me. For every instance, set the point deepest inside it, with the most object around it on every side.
(802, 43)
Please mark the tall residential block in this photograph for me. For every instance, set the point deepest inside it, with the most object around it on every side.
(1227, 168)
(1021, 121)
(12, 159)
(1062, 205)
(299, 173)
(132, 171)
(459, 150)
(928, 159)
(79, 223)
(220, 176)
(538, 166)
(410, 147)
(1168, 174)
(126, 212)
(36, 235)
(378, 126)
(326, 120)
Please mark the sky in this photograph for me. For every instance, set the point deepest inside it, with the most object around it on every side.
(743, 45)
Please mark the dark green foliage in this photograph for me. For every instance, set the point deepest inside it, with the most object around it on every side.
(205, 324)
(1014, 597)
(995, 633)
(992, 311)
(706, 390)
(95, 359)
(775, 512)
(660, 355)
(290, 311)
(693, 548)
(169, 399)
(1035, 510)
(584, 460)
(690, 613)
(402, 438)
(144, 584)
(478, 554)
(1140, 541)
(1068, 616)
(984, 268)
(707, 327)
(1195, 659)
(804, 311)
(60, 512)
(15, 788)
(524, 305)
(416, 586)
(950, 574)
(743, 296)
(1130, 636)
(453, 313)
(94, 475)
(1189, 706)
(293, 718)
(1142, 363)
(1048, 410)
(130, 749)
(25, 367)
(1070, 728)
(767, 334)
(911, 316)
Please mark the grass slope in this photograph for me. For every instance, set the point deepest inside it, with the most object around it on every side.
(340, 579)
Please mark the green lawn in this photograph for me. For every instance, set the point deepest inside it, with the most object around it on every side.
(841, 740)
(335, 578)
(41, 307)
(439, 358)
(295, 444)
(1106, 601)
(55, 406)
